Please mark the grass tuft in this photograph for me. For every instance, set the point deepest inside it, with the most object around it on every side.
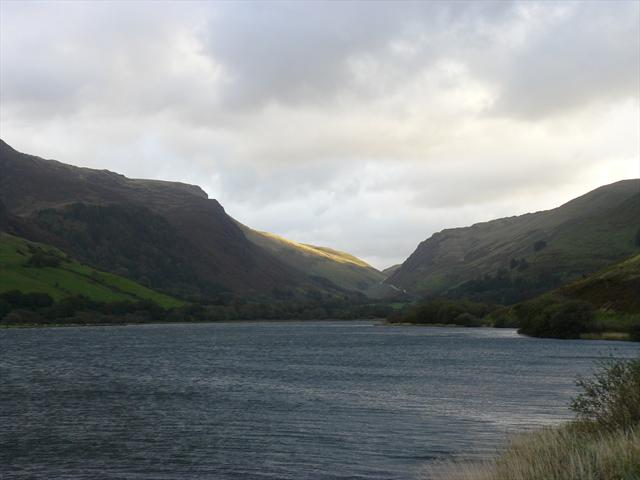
(602, 444)
(565, 453)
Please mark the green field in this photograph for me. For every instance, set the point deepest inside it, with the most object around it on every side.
(67, 278)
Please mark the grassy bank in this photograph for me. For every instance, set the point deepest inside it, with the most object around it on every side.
(603, 443)
(563, 453)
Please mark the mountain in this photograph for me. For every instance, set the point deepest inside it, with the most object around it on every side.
(511, 259)
(31, 267)
(166, 235)
(20, 227)
(391, 270)
(340, 268)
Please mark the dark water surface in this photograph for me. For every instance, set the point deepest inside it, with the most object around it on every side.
(287, 400)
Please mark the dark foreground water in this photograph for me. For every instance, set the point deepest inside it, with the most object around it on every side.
(273, 400)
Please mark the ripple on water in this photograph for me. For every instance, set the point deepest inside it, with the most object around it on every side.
(278, 400)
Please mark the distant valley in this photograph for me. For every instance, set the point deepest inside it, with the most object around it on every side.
(121, 239)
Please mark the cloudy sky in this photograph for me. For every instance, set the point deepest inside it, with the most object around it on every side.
(365, 126)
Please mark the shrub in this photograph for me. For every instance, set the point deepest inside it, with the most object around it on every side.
(440, 311)
(503, 318)
(555, 317)
(634, 332)
(42, 259)
(23, 317)
(539, 245)
(570, 319)
(67, 307)
(468, 320)
(32, 301)
(611, 398)
(5, 307)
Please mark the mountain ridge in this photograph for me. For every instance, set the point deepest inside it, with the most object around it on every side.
(168, 235)
(216, 250)
(529, 247)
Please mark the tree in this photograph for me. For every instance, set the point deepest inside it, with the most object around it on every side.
(42, 259)
(5, 307)
(539, 245)
(611, 398)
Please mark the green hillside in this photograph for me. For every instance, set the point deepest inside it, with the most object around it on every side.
(511, 259)
(32, 267)
(340, 268)
(615, 288)
(605, 305)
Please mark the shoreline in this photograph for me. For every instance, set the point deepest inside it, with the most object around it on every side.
(611, 336)
(377, 321)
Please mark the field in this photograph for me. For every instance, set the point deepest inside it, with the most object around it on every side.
(60, 276)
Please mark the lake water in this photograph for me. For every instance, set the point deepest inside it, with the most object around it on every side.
(282, 400)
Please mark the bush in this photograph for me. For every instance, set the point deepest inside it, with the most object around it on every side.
(32, 301)
(42, 259)
(443, 312)
(555, 317)
(539, 245)
(23, 317)
(468, 320)
(634, 333)
(611, 398)
(67, 307)
(570, 319)
(503, 318)
(5, 307)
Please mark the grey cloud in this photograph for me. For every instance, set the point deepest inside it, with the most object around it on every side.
(294, 51)
(108, 58)
(365, 126)
(300, 51)
(589, 54)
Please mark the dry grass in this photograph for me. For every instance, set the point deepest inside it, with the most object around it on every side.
(602, 444)
(571, 452)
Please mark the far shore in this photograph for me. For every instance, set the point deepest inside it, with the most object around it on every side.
(126, 324)
(609, 336)
(382, 322)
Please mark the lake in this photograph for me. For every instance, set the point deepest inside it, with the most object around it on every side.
(277, 400)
